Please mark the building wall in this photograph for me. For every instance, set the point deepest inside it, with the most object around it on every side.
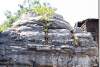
(93, 27)
(90, 25)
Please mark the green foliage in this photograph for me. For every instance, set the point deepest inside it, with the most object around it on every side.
(46, 30)
(8, 23)
(31, 3)
(4, 26)
(44, 11)
(24, 10)
(76, 41)
(12, 18)
(8, 14)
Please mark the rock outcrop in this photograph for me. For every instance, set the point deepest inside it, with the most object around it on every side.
(24, 44)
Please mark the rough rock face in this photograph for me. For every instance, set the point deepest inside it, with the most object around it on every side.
(24, 44)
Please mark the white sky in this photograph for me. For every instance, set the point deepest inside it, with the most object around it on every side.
(72, 10)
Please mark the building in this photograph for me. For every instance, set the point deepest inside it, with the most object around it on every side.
(90, 25)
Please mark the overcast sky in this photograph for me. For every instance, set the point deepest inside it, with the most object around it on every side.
(72, 10)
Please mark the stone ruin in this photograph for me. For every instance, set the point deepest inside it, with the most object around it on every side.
(23, 45)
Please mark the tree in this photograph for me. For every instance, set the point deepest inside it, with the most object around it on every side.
(46, 13)
(10, 20)
(31, 3)
(8, 14)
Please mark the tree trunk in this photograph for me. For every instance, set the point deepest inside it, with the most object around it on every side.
(46, 34)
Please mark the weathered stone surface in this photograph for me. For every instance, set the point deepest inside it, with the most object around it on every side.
(25, 41)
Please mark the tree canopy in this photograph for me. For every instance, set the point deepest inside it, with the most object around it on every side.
(36, 7)
(44, 11)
